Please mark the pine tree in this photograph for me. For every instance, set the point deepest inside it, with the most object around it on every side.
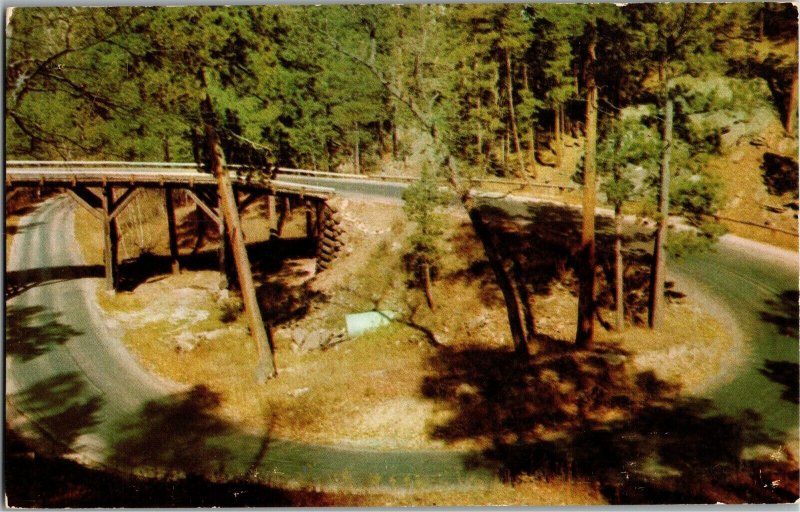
(676, 38)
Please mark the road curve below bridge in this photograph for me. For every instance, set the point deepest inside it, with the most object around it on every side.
(71, 382)
(73, 387)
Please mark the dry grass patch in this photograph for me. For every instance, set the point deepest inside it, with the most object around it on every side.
(698, 353)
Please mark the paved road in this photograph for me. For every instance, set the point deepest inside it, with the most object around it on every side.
(758, 285)
(71, 382)
(353, 188)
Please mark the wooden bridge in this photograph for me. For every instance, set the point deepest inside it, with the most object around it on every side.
(105, 189)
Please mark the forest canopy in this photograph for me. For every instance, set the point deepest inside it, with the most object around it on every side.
(357, 87)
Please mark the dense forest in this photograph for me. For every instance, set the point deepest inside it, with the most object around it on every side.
(632, 93)
(498, 87)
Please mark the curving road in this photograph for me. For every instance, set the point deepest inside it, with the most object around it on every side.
(758, 285)
(70, 380)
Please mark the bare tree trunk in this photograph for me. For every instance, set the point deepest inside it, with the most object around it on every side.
(513, 302)
(526, 299)
(512, 113)
(505, 151)
(266, 363)
(394, 134)
(557, 133)
(358, 153)
(479, 127)
(586, 269)
(619, 285)
(791, 108)
(426, 283)
(656, 313)
(531, 128)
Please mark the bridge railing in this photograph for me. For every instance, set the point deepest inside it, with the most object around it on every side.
(555, 187)
(61, 164)
(551, 188)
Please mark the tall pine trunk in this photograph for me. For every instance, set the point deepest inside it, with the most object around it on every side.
(266, 364)
(557, 134)
(586, 263)
(531, 128)
(656, 313)
(357, 161)
(512, 114)
(791, 108)
(619, 271)
(426, 284)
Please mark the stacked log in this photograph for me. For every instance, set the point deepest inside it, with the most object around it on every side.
(330, 239)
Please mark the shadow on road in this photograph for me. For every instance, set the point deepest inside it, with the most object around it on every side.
(44, 482)
(787, 374)
(175, 435)
(64, 406)
(783, 312)
(19, 281)
(581, 414)
(34, 330)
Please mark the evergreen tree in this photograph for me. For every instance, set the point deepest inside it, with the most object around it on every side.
(677, 39)
(423, 200)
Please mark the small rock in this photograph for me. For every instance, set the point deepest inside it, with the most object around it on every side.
(185, 342)
(299, 336)
(315, 340)
(297, 392)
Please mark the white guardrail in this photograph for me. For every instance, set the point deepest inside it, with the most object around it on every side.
(281, 170)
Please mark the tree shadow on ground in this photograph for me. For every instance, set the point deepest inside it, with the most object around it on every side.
(63, 406)
(542, 241)
(787, 374)
(34, 330)
(175, 435)
(35, 481)
(265, 257)
(780, 174)
(582, 414)
(15, 230)
(20, 281)
(784, 313)
(284, 292)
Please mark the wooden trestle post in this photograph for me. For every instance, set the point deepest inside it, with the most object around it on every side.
(111, 238)
(173, 235)
(311, 232)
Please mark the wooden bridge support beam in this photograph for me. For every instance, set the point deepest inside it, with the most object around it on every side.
(311, 231)
(110, 238)
(87, 200)
(106, 209)
(173, 235)
(284, 208)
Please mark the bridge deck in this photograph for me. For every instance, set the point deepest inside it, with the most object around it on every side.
(151, 177)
